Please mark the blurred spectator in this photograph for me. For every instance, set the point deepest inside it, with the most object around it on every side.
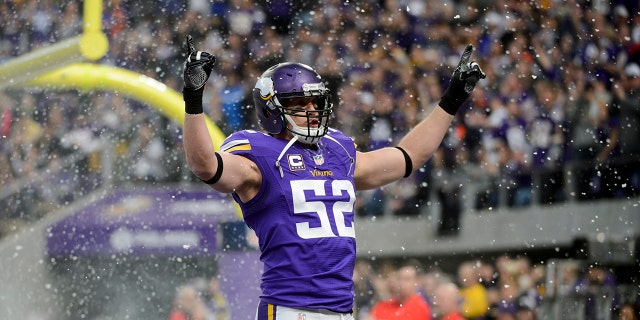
(446, 302)
(448, 186)
(525, 312)
(188, 305)
(587, 118)
(147, 153)
(365, 292)
(628, 312)
(599, 284)
(546, 138)
(608, 182)
(216, 301)
(474, 295)
(569, 279)
(405, 302)
(516, 163)
(486, 173)
(280, 14)
(381, 278)
(507, 304)
(210, 294)
(490, 279)
(627, 102)
(430, 281)
(382, 122)
(69, 24)
(233, 104)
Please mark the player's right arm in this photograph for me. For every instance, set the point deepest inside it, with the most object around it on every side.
(223, 171)
(379, 167)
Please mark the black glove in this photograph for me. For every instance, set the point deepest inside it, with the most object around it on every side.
(197, 69)
(463, 80)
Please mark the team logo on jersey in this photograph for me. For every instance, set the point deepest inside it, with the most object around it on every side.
(321, 173)
(318, 159)
(302, 316)
(296, 162)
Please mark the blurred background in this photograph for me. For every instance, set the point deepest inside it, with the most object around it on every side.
(535, 188)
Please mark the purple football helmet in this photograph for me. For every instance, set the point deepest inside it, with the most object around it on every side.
(287, 81)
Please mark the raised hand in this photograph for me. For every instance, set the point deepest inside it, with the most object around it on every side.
(462, 83)
(197, 67)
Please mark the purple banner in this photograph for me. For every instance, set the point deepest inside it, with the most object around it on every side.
(143, 222)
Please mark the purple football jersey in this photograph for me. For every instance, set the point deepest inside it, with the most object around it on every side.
(303, 216)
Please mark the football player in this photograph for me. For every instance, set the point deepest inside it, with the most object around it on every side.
(296, 181)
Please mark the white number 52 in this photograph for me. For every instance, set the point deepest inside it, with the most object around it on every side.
(302, 205)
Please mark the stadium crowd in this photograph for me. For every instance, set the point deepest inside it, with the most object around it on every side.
(505, 288)
(557, 118)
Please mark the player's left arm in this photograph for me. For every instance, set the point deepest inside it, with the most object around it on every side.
(383, 166)
(380, 167)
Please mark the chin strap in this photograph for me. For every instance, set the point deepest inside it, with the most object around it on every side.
(311, 137)
(289, 144)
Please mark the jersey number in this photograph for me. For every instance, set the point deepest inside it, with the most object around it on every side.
(302, 205)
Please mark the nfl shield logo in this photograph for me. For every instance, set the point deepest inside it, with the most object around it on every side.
(318, 159)
(301, 316)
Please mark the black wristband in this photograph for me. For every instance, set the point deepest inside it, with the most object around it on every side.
(192, 100)
(218, 173)
(451, 103)
(408, 165)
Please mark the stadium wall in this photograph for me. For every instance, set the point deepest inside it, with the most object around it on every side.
(534, 228)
